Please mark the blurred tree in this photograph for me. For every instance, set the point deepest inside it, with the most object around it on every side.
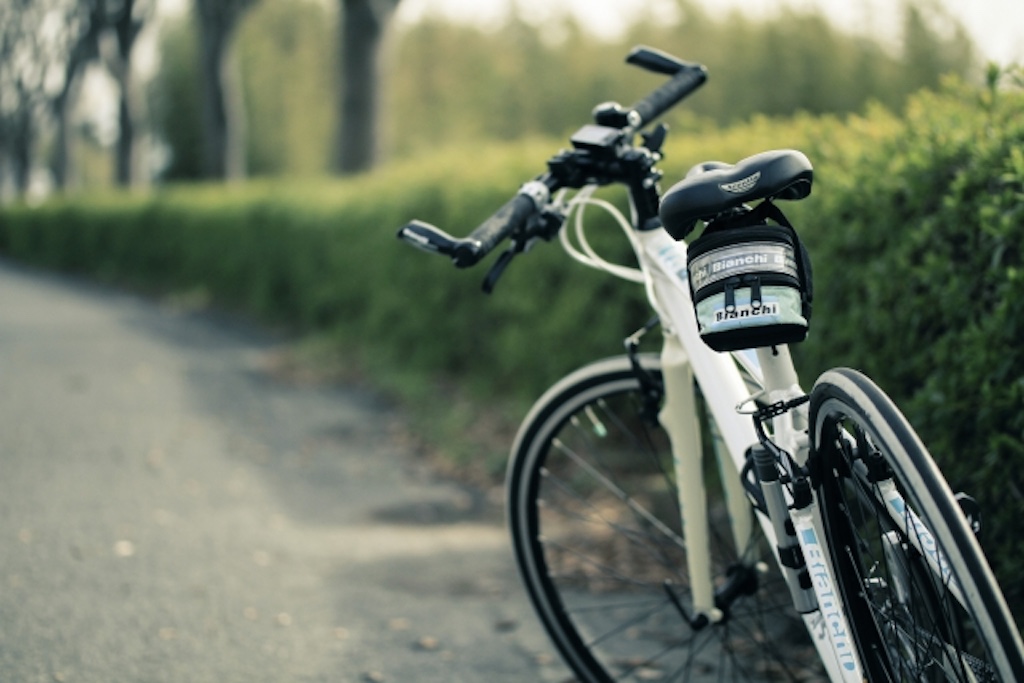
(44, 44)
(362, 27)
(284, 49)
(223, 107)
(174, 101)
(20, 85)
(933, 44)
(86, 24)
(126, 18)
(455, 82)
(463, 81)
(286, 77)
(452, 82)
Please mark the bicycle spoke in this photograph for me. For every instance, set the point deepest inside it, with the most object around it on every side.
(599, 517)
(644, 445)
(621, 628)
(618, 492)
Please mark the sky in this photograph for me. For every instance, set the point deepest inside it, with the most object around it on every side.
(997, 26)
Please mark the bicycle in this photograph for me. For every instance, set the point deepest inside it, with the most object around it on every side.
(693, 514)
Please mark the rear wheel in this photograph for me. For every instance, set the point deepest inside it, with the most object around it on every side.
(922, 601)
(595, 521)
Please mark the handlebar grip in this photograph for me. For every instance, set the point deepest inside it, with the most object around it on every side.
(506, 220)
(468, 251)
(688, 79)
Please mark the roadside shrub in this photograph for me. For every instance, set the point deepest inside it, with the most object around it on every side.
(921, 286)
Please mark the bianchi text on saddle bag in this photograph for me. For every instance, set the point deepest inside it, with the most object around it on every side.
(751, 283)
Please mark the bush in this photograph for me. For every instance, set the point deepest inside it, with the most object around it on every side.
(922, 288)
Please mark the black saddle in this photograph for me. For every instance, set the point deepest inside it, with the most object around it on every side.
(713, 187)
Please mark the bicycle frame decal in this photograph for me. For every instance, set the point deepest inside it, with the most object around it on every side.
(829, 603)
(671, 257)
(920, 537)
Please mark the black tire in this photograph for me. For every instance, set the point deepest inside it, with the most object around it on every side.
(906, 620)
(593, 540)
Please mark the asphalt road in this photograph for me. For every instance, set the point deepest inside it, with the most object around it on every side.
(169, 511)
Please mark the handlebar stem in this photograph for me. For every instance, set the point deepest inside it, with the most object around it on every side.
(633, 166)
(642, 182)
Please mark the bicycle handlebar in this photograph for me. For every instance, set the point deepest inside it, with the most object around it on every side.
(514, 217)
(685, 81)
(468, 251)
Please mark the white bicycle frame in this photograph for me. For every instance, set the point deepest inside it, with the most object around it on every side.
(723, 380)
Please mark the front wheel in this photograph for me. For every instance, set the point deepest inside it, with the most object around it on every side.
(920, 597)
(596, 527)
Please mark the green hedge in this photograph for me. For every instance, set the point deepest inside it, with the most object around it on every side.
(924, 290)
(915, 228)
(322, 257)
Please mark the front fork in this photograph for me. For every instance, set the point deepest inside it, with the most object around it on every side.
(680, 417)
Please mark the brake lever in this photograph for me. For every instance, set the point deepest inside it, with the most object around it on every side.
(545, 227)
(499, 267)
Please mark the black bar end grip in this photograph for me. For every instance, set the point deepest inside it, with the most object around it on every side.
(661, 100)
(655, 60)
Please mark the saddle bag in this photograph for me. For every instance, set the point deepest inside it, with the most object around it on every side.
(750, 281)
